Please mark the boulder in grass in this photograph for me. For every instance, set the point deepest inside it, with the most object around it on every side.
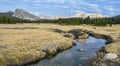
(110, 56)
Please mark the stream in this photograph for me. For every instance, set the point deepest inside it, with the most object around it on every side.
(78, 55)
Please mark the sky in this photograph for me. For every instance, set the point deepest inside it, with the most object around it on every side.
(63, 7)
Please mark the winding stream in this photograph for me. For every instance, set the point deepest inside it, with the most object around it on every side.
(78, 55)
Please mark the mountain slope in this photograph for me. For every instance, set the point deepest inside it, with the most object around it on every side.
(9, 14)
(116, 19)
(22, 14)
(118, 16)
(90, 15)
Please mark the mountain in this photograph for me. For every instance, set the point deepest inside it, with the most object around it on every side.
(58, 17)
(90, 15)
(43, 16)
(116, 19)
(9, 14)
(118, 16)
(22, 14)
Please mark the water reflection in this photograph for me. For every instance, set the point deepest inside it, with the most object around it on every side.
(78, 55)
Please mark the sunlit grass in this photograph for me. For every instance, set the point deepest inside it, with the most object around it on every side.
(23, 43)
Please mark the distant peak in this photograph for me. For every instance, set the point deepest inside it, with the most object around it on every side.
(20, 10)
(23, 14)
(90, 15)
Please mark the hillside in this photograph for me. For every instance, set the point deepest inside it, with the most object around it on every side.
(90, 15)
(9, 14)
(118, 16)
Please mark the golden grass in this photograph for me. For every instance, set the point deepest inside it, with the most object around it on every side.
(22, 46)
(23, 43)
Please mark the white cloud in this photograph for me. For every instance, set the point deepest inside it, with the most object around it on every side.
(109, 8)
(94, 6)
(79, 12)
(57, 1)
(64, 6)
(90, 7)
(114, 2)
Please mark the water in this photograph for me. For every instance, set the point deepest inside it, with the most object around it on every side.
(78, 55)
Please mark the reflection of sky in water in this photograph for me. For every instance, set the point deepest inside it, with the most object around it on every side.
(73, 57)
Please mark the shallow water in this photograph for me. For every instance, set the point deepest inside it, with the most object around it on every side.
(78, 55)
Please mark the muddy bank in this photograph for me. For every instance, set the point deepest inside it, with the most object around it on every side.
(83, 34)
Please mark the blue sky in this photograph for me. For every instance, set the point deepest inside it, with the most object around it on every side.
(63, 7)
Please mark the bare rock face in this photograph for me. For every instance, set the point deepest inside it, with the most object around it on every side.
(22, 14)
(90, 15)
(110, 56)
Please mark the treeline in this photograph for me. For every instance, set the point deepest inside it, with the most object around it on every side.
(64, 21)
(87, 21)
(11, 20)
(116, 20)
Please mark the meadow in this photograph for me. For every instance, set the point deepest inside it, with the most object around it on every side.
(25, 43)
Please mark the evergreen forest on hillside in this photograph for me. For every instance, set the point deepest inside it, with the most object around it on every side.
(64, 21)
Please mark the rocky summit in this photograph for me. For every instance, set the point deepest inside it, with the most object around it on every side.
(22, 14)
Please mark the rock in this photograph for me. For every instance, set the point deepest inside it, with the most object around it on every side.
(110, 56)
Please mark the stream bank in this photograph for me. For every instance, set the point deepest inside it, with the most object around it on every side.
(84, 34)
(78, 55)
(111, 47)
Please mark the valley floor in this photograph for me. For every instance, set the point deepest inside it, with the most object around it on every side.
(19, 42)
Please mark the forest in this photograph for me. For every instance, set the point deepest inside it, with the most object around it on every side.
(64, 21)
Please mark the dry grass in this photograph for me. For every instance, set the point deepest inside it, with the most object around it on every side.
(22, 46)
(23, 43)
